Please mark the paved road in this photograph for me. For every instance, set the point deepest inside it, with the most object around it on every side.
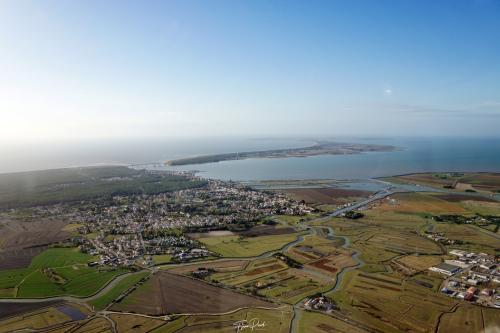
(389, 190)
(377, 196)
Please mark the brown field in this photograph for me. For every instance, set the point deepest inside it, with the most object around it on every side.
(323, 264)
(334, 263)
(306, 252)
(218, 266)
(464, 197)
(325, 195)
(20, 241)
(483, 181)
(19, 258)
(8, 310)
(170, 293)
(418, 263)
(419, 203)
(266, 230)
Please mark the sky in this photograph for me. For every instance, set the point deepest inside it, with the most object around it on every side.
(134, 69)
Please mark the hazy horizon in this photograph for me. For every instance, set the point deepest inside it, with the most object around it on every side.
(115, 69)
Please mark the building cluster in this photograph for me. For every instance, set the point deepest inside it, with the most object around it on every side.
(442, 239)
(320, 303)
(474, 277)
(128, 230)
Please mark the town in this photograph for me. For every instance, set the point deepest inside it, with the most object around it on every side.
(128, 230)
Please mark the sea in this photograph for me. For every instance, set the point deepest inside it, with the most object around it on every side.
(412, 155)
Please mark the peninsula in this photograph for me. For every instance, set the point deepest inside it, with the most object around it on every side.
(320, 148)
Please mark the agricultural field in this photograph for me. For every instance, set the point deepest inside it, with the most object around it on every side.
(474, 238)
(237, 246)
(315, 247)
(169, 293)
(121, 287)
(253, 271)
(314, 322)
(270, 320)
(291, 286)
(419, 203)
(389, 303)
(41, 318)
(326, 196)
(411, 264)
(333, 264)
(9, 310)
(460, 182)
(475, 319)
(130, 323)
(218, 266)
(21, 241)
(96, 325)
(378, 244)
(481, 207)
(56, 271)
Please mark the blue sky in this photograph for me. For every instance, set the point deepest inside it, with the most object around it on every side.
(87, 69)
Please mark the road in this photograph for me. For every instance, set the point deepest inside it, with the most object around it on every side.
(377, 196)
(302, 227)
(389, 190)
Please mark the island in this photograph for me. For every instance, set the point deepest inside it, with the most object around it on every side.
(320, 148)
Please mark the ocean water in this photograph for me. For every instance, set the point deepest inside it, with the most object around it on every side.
(413, 155)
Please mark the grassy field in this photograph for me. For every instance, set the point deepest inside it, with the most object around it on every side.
(122, 286)
(475, 239)
(162, 259)
(56, 271)
(480, 207)
(235, 246)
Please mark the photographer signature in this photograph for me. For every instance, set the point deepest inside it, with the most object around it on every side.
(253, 324)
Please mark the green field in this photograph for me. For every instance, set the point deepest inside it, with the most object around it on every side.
(122, 286)
(56, 271)
(162, 259)
(234, 246)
